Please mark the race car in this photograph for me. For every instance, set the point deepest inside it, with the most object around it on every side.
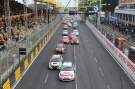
(65, 39)
(69, 24)
(75, 23)
(65, 32)
(60, 48)
(74, 40)
(65, 27)
(74, 26)
(65, 21)
(72, 35)
(71, 21)
(67, 72)
(76, 32)
(55, 62)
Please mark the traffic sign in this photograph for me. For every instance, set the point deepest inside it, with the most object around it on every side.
(22, 51)
(72, 12)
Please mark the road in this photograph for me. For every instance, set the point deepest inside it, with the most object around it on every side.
(95, 68)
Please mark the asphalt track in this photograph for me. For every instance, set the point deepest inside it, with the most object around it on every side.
(95, 68)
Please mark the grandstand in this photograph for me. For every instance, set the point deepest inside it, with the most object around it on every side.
(15, 8)
(19, 24)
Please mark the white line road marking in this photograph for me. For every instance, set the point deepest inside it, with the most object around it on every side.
(95, 59)
(76, 81)
(117, 61)
(91, 51)
(108, 87)
(46, 78)
(33, 60)
(101, 71)
(75, 67)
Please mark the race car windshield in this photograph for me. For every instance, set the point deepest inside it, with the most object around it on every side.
(75, 31)
(64, 37)
(65, 26)
(55, 60)
(74, 25)
(74, 39)
(64, 31)
(59, 46)
(68, 69)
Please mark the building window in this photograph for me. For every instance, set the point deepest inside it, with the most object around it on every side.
(133, 18)
(130, 18)
(120, 16)
(124, 17)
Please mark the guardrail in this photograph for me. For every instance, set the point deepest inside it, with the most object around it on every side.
(127, 65)
(11, 67)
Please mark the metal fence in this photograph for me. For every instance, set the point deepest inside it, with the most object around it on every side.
(110, 36)
(11, 59)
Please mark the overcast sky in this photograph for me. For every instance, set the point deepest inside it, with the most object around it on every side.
(64, 2)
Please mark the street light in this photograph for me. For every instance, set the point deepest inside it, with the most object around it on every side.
(99, 2)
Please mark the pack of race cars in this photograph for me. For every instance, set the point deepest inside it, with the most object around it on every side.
(67, 68)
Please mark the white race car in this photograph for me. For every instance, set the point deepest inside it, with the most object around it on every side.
(76, 32)
(65, 32)
(67, 72)
(55, 62)
(65, 27)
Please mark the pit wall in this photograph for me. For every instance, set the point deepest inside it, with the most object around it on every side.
(125, 63)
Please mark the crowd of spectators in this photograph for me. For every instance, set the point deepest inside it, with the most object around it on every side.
(126, 6)
(20, 24)
(16, 30)
(128, 30)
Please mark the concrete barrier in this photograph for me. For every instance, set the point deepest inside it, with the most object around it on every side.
(125, 63)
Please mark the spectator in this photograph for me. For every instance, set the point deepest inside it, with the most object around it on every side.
(127, 30)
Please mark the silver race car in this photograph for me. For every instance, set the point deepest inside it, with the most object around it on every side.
(55, 62)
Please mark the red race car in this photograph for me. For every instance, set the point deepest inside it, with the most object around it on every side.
(72, 35)
(75, 40)
(65, 39)
(60, 48)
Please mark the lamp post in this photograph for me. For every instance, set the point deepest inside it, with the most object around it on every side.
(99, 2)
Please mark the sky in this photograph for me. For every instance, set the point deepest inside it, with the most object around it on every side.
(64, 2)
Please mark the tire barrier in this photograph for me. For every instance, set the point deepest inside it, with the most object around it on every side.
(19, 68)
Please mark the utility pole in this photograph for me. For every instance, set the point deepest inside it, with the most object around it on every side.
(46, 12)
(25, 12)
(7, 18)
(36, 12)
(42, 17)
(99, 2)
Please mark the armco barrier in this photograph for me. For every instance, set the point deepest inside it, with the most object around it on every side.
(126, 63)
(27, 60)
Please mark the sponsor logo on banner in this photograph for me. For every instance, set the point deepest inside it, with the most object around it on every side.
(122, 58)
(110, 45)
(131, 66)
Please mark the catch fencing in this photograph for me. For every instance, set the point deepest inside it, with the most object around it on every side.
(12, 65)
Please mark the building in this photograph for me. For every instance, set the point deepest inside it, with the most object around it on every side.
(125, 12)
